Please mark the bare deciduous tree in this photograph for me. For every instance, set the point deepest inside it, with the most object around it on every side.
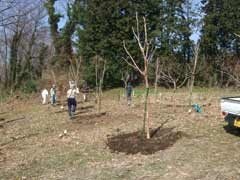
(6, 12)
(22, 40)
(100, 69)
(147, 51)
(193, 71)
(231, 69)
(173, 73)
(75, 69)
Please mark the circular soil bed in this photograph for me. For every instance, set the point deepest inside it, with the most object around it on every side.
(133, 143)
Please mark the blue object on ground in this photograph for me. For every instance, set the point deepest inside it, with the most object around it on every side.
(197, 108)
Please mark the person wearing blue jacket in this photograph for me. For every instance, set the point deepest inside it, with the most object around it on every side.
(129, 93)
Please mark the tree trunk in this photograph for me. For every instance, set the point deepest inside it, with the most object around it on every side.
(146, 119)
(196, 49)
(99, 101)
(174, 87)
(155, 87)
(222, 79)
(13, 60)
(99, 98)
(191, 89)
(156, 76)
(99, 80)
(6, 58)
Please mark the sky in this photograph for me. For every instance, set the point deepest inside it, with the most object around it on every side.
(61, 6)
(196, 33)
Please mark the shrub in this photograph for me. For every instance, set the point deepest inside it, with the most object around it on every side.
(29, 86)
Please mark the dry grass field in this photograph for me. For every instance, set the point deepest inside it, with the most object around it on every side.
(41, 142)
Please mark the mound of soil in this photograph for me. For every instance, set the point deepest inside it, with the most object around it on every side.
(133, 143)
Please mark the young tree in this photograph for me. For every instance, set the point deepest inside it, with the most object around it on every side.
(100, 69)
(75, 69)
(193, 71)
(147, 52)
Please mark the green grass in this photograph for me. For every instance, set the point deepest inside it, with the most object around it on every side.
(140, 90)
(3, 97)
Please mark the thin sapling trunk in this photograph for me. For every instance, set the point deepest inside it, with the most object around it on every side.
(196, 51)
(147, 53)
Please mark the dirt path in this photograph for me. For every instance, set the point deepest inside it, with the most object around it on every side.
(40, 142)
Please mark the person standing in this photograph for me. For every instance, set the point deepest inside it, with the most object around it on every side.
(85, 91)
(71, 99)
(129, 93)
(44, 96)
(53, 93)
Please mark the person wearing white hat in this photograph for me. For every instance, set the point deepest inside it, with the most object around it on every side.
(71, 99)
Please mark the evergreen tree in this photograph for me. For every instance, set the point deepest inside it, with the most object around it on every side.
(62, 39)
(218, 39)
(106, 28)
(102, 25)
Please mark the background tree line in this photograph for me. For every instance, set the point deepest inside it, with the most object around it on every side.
(35, 35)
(23, 43)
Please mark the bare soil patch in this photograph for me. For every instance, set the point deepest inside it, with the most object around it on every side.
(133, 143)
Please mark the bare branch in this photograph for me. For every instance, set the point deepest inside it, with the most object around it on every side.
(146, 44)
(135, 65)
(138, 33)
(237, 35)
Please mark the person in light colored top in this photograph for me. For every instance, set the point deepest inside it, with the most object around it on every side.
(44, 96)
(53, 93)
(71, 98)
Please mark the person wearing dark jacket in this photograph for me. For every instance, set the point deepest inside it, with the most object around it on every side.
(71, 99)
(129, 93)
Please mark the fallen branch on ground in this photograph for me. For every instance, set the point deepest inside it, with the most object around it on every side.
(12, 120)
(18, 138)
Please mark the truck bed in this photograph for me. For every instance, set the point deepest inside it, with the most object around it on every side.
(231, 105)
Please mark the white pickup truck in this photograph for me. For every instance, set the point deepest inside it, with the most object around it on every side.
(230, 107)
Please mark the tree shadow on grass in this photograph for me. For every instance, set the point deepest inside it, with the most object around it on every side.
(2, 119)
(61, 111)
(82, 112)
(84, 109)
(87, 107)
(89, 118)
